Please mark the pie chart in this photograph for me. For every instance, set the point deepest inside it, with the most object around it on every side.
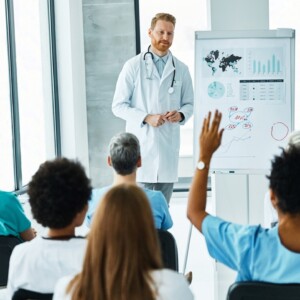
(216, 90)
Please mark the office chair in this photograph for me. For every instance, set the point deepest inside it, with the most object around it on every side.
(7, 244)
(263, 291)
(22, 294)
(168, 249)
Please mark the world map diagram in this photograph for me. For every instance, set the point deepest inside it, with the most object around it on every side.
(219, 60)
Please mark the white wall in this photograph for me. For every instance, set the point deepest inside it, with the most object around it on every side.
(71, 80)
(239, 14)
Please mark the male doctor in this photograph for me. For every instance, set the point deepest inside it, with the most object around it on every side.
(154, 95)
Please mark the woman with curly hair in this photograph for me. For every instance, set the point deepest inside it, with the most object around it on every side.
(58, 195)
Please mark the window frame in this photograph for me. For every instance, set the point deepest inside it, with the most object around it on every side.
(19, 188)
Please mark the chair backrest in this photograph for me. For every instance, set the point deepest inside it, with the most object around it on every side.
(7, 244)
(169, 249)
(263, 291)
(22, 294)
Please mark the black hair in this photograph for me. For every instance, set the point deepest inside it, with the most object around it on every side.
(58, 191)
(285, 180)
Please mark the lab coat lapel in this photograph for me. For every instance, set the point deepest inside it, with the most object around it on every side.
(155, 72)
(168, 69)
(150, 67)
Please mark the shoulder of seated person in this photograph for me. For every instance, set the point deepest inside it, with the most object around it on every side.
(167, 273)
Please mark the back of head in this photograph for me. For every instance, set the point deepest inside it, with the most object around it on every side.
(124, 151)
(285, 180)
(58, 191)
(122, 248)
(163, 17)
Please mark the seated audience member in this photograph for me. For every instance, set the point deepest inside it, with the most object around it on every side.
(123, 258)
(125, 158)
(270, 213)
(58, 194)
(256, 253)
(13, 221)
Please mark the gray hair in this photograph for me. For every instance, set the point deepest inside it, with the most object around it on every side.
(124, 151)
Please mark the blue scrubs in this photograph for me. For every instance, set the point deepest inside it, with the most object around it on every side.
(158, 203)
(254, 252)
(12, 217)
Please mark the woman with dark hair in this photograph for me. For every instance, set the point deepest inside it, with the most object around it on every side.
(270, 213)
(58, 195)
(123, 258)
(255, 253)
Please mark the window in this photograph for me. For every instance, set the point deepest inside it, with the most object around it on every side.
(26, 87)
(284, 14)
(191, 15)
(6, 146)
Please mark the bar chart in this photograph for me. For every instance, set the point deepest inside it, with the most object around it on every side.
(265, 62)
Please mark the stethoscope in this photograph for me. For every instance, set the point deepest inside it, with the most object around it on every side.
(150, 65)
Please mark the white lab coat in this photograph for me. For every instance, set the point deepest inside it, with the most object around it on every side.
(136, 96)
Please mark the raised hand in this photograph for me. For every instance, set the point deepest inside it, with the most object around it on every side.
(210, 137)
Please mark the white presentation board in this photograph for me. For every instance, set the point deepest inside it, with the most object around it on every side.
(249, 77)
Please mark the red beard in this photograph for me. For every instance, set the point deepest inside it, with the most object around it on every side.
(161, 46)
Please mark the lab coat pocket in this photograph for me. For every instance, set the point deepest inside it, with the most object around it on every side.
(143, 133)
(175, 137)
(175, 97)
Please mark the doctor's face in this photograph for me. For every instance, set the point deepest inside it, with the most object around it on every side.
(161, 37)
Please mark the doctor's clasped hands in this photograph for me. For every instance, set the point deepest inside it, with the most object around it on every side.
(160, 119)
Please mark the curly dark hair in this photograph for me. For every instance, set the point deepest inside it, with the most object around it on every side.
(58, 191)
(285, 180)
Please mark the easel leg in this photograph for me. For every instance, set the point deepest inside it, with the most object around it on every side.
(187, 249)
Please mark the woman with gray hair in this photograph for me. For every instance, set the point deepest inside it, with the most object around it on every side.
(125, 158)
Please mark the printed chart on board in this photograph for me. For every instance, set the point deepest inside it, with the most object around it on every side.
(249, 81)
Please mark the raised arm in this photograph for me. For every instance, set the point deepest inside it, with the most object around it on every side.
(209, 142)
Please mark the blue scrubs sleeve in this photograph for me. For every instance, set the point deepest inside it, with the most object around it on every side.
(230, 244)
(167, 221)
(13, 220)
(97, 194)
